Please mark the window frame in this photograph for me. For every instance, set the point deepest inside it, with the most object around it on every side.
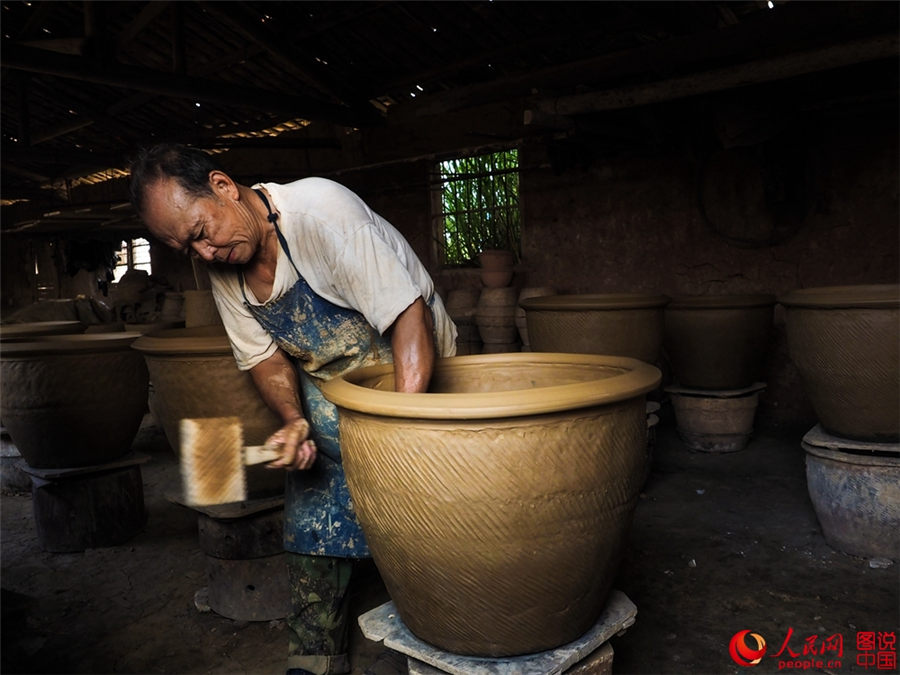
(508, 236)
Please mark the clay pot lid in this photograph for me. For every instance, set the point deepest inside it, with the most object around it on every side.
(721, 301)
(594, 301)
(70, 344)
(875, 296)
(195, 340)
(16, 331)
(586, 380)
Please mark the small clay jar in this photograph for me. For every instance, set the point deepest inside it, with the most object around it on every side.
(497, 267)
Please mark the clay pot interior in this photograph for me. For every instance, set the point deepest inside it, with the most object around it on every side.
(622, 324)
(73, 400)
(845, 342)
(475, 496)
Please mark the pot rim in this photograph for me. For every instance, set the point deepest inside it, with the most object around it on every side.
(19, 330)
(178, 341)
(601, 301)
(636, 379)
(876, 296)
(69, 344)
(886, 458)
(726, 301)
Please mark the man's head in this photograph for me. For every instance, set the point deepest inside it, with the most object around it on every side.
(190, 204)
(189, 167)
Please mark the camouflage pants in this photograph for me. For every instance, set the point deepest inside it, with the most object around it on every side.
(319, 622)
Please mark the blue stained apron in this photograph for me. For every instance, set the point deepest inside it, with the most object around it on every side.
(327, 341)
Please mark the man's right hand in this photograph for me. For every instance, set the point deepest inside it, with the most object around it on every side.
(297, 450)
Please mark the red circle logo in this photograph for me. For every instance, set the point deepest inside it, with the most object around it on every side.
(746, 648)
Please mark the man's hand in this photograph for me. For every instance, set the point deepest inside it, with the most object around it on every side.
(276, 380)
(297, 451)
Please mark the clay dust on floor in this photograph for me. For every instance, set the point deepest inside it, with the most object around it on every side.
(720, 543)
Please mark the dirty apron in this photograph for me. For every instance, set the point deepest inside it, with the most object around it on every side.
(327, 341)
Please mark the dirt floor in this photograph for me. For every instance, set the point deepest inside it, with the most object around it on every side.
(720, 544)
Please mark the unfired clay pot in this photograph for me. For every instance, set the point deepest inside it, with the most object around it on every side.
(621, 324)
(497, 267)
(495, 315)
(521, 321)
(73, 400)
(718, 341)
(193, 374)
(496, 506)
(845, 341)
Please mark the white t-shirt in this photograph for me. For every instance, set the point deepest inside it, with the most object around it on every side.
(347, 253)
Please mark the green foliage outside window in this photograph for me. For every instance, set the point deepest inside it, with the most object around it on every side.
(479, 206)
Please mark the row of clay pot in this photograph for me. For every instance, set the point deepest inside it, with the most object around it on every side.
(77, 400)
(843, 341)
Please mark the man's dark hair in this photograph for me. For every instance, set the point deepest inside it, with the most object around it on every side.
(189, 166)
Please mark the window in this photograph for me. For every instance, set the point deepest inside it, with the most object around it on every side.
(479, 206)
(134, 254)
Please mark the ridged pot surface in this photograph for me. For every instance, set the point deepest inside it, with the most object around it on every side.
(194, 374)
(845, 342)
(497, 505)
(620, 324)
(73, 400)
(718, 342)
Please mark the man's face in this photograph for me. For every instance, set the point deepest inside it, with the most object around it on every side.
(217, 228)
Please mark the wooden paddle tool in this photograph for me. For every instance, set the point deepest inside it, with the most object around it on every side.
(213, 457)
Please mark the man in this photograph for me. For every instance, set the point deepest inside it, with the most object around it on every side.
(310, 284)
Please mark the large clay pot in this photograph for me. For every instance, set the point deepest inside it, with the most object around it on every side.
(621, 324)
(73, 400)
(193, 374)
(521, 322)
(26, 331)
(496, 506)
(718, 341)
(845, 341)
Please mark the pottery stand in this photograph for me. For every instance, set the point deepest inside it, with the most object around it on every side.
(247, 577)
(89, 506)
(589, 654)
(854, 487)
(715, 420)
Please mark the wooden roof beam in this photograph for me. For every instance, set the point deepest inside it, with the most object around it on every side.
(17, 57)
(720, 79)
